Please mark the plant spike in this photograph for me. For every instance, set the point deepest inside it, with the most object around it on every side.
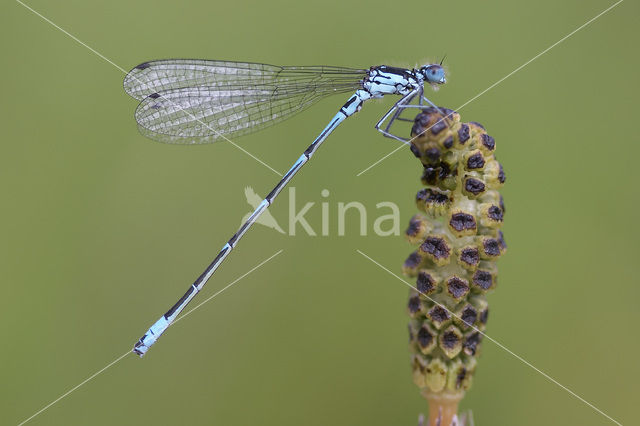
(458, 239)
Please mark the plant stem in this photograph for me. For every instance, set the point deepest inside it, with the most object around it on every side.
(443, 408)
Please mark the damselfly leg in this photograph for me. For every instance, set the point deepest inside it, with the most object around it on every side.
(395, 114)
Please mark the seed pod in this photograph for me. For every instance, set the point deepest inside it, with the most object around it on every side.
(457, 245)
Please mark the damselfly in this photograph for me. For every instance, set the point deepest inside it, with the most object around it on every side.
(189, 101)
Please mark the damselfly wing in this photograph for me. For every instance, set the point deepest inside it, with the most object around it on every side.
(188, 101)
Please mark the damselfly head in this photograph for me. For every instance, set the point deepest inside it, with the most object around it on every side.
(433, 74)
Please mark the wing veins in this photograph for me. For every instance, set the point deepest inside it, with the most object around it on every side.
(201, 115)
(157, 76)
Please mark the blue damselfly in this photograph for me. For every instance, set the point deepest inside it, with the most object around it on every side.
(189, 101)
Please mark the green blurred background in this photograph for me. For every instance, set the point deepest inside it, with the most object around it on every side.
(103, 230)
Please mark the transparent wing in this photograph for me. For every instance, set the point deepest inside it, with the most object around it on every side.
(196, 115)
(169, 74)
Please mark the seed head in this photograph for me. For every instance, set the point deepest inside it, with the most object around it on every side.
(458, 240)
